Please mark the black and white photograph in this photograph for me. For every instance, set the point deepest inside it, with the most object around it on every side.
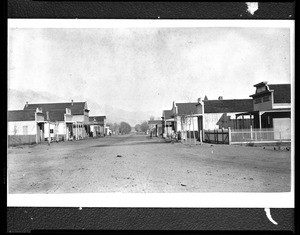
(131, 109)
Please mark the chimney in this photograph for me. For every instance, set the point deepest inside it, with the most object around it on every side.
(199, 100)
(220, 98)
(26, 105)
(72, 102)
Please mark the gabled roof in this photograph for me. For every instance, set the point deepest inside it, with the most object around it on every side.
(167, 114)
(21, 115)
(186, 108)
(76, 108)
(282, 92)
(155, 122)
(98, 119)
(56, 115)
(228, 106)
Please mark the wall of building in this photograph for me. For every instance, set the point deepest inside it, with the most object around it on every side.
(264, 105)
(79, 118)
(48, 127)
(61, 129)
(14, 140)
(189, 124)
(102, 130)
(281, 105)
(68, 118)
(39, 117)
(282, 128)
(199, 108)
(95, 129)
(16, 128)
(224, 120)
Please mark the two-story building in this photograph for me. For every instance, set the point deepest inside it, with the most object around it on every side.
(70, 119)
(272, 108)
(97, 126)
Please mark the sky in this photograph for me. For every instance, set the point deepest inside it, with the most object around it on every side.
(143, 70)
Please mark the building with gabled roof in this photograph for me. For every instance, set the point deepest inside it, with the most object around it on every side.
(272, 108)
(97, 126)
(168, 122)
(25, 126)
(77, 108)
(73, 126)
(185, 119)
(156, 127)
(227, 106)
(221, 113)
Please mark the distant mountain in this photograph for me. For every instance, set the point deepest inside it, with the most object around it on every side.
(120, 115)
(17, 100)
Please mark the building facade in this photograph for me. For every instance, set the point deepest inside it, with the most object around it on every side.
(272, 109)
(25, 126)
(68, 121)
(97, 126)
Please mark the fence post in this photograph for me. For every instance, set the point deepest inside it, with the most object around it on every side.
(200, 136)
(229, 135)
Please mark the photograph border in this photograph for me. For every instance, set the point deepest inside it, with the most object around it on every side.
(198, 200)
(209, 220)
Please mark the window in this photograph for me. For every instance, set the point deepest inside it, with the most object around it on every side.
(258, 100)
(260, 89)
(51, 131)
(25, 130)
(266, 98)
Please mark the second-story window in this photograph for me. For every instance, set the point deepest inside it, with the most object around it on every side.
(260, 89)
(266, 98)
(257, 101)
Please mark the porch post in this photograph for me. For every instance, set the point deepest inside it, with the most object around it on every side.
(259, 118)
(76, 131)
(229, 135)
(243, 121)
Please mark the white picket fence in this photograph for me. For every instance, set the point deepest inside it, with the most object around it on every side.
(238, 136)
(259, 135)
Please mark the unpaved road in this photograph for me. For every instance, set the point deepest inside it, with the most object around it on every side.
(146, 165)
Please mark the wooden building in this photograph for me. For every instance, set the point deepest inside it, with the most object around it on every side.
(25, 126)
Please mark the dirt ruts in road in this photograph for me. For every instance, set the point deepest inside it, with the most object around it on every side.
(146, 166)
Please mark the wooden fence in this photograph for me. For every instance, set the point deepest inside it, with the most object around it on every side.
(259, 135)
(14, 140)
(240, 136)
(217, 136)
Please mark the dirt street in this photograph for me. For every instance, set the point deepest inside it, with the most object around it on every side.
(137, 164)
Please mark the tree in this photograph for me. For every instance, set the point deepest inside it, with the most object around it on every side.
(144, 126)
(124, 128)
(138, 127)
(114, 127)
(151, 118)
